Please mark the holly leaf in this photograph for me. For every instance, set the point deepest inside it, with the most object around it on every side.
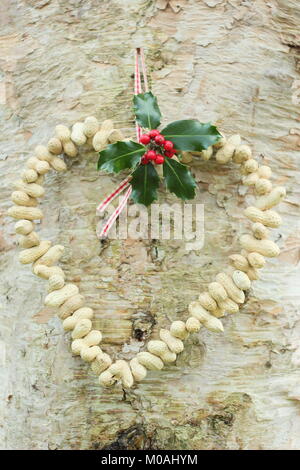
(191, 134)
(146, 110)
(121, 155)
(144, 182)
(179, 179)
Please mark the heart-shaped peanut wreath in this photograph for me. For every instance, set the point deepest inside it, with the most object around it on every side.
(225, 294)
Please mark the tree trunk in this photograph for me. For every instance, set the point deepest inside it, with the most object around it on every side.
(235, 63)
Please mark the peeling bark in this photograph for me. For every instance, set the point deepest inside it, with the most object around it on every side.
(233, 62)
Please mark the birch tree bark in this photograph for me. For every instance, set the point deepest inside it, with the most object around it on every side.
(235, 63)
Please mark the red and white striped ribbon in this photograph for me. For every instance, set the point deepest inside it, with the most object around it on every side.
(125, 184)
(103, 232)
(137, 88)
(144, 70)
(103, 205)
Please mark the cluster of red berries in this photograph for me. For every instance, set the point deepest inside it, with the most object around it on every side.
(159, 148)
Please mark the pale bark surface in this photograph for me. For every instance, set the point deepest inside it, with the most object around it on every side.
(233, 62)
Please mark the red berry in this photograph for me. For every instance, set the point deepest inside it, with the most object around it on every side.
(159, 159)
(144, 159)
(153, 133)
(145, 139)
(170, 153)
(168, 145)
(159, 139)
(151, 155)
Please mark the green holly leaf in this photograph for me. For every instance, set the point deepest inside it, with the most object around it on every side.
(121, 155)
(191, 134)
(146, 110)
(144, 182)
(179, 179)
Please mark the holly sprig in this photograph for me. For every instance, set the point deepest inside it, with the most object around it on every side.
(158, 148)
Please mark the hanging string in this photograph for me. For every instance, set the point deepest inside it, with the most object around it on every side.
(137, 88)
(143, 63)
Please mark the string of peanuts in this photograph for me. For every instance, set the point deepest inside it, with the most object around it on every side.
(224, 295)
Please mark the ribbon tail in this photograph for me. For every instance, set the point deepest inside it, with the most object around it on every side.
(103, 233)
(103, 205)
